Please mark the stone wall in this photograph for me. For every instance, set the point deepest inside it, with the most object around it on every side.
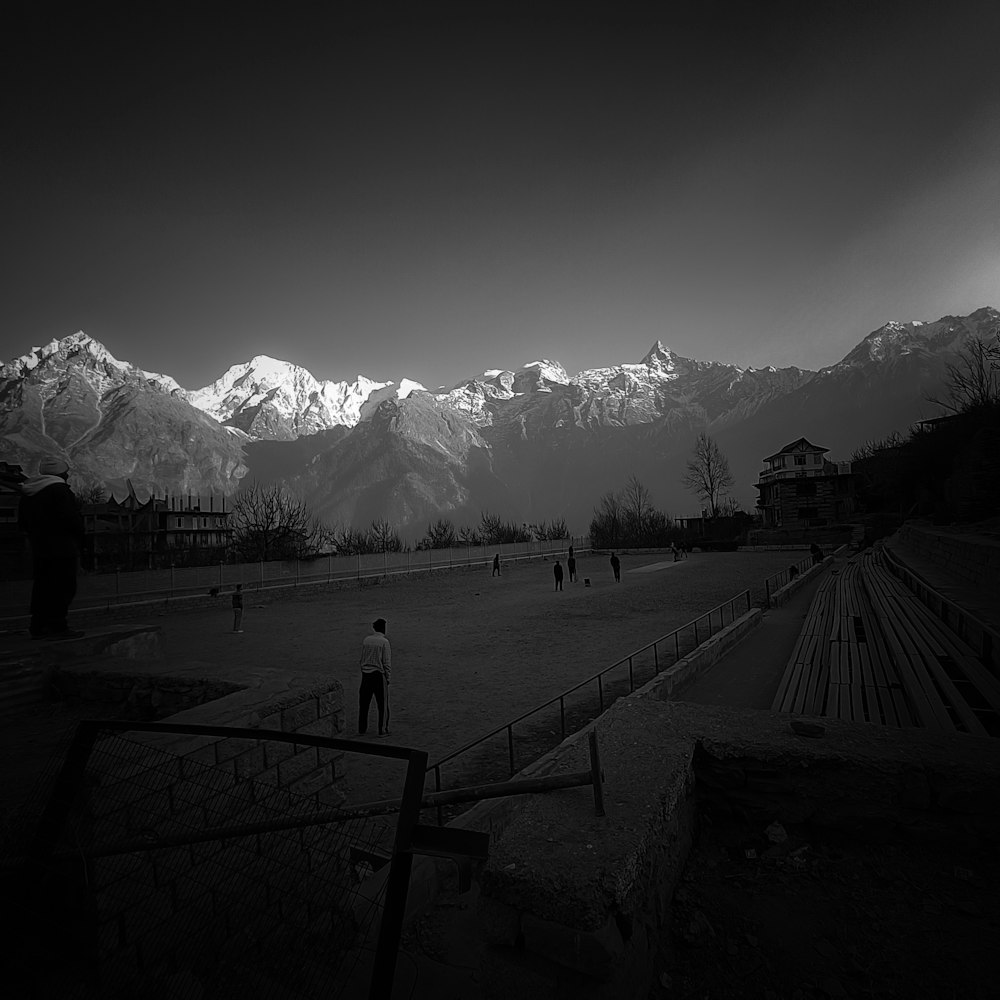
(573, 904)
(127, 696)
(973, 560)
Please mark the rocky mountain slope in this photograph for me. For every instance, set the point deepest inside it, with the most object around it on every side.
(529, 443)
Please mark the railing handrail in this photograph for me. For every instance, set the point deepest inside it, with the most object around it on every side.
(588, 680)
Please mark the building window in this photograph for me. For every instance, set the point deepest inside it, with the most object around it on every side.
(800, 459)
(179, 523)
(808, 513)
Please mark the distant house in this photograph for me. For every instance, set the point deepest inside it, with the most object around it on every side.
(801, 489)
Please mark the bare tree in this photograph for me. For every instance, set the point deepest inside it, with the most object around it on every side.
(973, 381)
(269, 523)
(708, 475)
(90, 491)
(607, 524)
(384, 537)
(636, 508)
(439, 536)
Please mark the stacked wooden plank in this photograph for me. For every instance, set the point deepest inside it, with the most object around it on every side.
(864, 686)
(946, 684)
(871, 651)
(803, 686)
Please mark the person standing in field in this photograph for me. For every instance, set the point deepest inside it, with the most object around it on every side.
(376, 667)
(616, 565)
(571, 565)
(238, 608)
(496, 564)
(557, 572)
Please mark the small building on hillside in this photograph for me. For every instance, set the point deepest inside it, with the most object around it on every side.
(800, 488)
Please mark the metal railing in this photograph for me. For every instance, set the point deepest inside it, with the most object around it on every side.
(152, 806)
(665, 652)
(97, 591)
(778, 580)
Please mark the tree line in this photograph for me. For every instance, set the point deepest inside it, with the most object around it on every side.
(626, 518)
(945, 468)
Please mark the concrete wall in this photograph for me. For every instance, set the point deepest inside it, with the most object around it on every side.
(572, 905)
(973, 560)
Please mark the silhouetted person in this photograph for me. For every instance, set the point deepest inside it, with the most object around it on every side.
(616, 565)
(675, 550)
(496, 564)
(793, 572)
(570, 553)
(817, 553)
(238, 608)
(375, 671)
(557, 572)
(571, 566)
(48, 514)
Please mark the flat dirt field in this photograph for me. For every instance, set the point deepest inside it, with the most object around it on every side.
(470, 651)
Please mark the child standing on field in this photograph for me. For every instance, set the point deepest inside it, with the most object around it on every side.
(238, 608)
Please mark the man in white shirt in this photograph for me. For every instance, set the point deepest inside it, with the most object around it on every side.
(376, 660)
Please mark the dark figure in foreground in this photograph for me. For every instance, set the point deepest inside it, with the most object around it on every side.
(816, 552)
(238, 608)
(616, 565)
(570, 553)
(375, 671)
(571, 566)
(48, 514)
(557, 572)
(496, 564)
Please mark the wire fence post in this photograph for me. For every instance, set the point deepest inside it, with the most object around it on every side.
(562, 716)
(510, 748)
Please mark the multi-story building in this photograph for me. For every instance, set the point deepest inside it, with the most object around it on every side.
(134, 534)
(801, 489)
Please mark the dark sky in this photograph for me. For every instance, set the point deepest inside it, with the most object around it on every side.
(431, 196)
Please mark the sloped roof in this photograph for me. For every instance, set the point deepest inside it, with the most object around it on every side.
(800, 445)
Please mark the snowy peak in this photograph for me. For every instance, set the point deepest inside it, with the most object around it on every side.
(81, 351)
(266, 397)
(659, 357)
(894, 340)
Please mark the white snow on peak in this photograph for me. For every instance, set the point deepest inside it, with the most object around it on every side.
(406, 386)
(552, 371)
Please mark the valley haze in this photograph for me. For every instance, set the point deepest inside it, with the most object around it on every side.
(529, 443)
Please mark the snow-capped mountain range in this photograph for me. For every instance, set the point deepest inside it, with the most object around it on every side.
(531, 442)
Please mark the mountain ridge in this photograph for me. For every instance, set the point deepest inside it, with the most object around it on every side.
(535, 439)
